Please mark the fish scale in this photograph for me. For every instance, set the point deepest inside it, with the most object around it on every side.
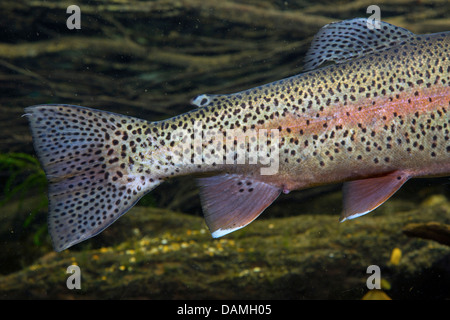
(371, 117)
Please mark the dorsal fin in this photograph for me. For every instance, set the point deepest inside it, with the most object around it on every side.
(350, 39)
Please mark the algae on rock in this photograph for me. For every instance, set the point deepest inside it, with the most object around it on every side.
(159, 254)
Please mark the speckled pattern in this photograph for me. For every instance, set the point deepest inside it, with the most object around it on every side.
(379, 113)
(350, 39)
(383, 112)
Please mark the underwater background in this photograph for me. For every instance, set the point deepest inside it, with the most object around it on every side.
(148, 59)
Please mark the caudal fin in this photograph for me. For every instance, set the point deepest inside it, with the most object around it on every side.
(95, 165)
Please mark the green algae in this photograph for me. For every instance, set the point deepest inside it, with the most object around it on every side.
(167, 255)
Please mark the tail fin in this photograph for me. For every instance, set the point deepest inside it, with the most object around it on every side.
(94, 162)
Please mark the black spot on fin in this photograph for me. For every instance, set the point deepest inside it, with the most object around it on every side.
(92, 179)
(350, 39)
(363, 196)
(205, 100)
(202, 100)
(232, 201)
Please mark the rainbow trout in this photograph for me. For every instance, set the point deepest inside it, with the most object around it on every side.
(371, 110)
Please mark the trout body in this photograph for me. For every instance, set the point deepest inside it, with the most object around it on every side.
(374, 119)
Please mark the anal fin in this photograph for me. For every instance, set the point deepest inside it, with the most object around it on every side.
(232, 201)
(363, 196)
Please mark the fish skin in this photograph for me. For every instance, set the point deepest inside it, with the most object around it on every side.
(384, 112)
